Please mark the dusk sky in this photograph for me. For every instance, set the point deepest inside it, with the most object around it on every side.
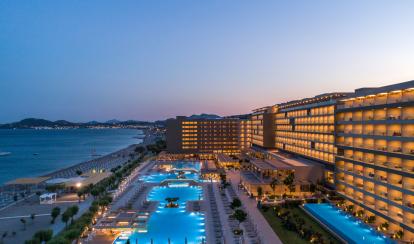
(147, 60)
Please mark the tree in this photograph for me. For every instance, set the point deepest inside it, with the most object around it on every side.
(94, 192)
(223, 179)
(239, 215)
(32, 217)
(73, 211)
(80, 194)
(59, 240)
(4, 235)
(54, 214)
(43, 235)
(273, 185)
(24, 223)
(236, 203)
(259, 192)
(288, 181)
(65, 218)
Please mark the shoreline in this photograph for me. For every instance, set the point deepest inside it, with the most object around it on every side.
(113, 155)
(114, 159)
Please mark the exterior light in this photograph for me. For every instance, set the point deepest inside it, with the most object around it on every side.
(78, 185)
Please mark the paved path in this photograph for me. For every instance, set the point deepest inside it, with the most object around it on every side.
(228, 235)
(83, 207)
(266, 232)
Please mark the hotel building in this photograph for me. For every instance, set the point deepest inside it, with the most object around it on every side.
(307, 128)
(375, 159)
(262, 128)
(364, 140)
(207, 136)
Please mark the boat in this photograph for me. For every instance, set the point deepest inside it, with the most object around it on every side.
(5, 153)
(35, 154)
(94, 154)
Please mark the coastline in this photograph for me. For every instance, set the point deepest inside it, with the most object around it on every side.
(112, 159)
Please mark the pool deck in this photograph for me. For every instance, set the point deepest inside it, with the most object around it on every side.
(265, 230)
(134, 194)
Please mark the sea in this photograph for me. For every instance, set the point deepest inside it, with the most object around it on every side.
(38, 152)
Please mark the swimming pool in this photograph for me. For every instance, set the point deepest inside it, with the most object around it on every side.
(174, 224)
(347, 227)
(187, 165)
(159, 177)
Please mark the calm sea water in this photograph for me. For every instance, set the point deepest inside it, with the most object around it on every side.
(56, 149)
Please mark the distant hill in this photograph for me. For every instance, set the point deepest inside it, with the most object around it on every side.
(32, 122)
(205, 116)
(36, 123)
(113, 121)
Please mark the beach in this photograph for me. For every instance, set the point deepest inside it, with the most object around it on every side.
(46, 152)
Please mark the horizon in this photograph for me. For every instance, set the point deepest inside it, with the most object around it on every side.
(149, 61)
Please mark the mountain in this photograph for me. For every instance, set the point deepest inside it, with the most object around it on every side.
(205, 116)
(113, 121)
(33, 123)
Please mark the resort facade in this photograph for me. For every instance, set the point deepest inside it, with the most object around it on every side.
(207, 136)
(375, 158)
(363, 141)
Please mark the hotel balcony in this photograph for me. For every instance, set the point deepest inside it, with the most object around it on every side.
(369, 187)
(395, 180)
(408, 219)
(369, 201)
(408, 165)
(408, 183)
(368, 172)
(396, 196)
(409, 201)
(381, 207)
(395, 213)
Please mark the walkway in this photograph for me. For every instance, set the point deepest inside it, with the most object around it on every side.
(266, 232)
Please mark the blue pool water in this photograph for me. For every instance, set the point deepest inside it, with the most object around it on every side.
(350, 229)
(159, 177)
(172, 223)
(188, 165)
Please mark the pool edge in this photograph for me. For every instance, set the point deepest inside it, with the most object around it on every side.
(324, 225)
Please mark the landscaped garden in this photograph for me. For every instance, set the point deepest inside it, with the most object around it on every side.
(293, 225)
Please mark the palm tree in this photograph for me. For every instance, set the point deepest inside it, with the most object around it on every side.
(54, 214)
(65, 218)
(80, 193)
(288, 181)
(4, 235)
(236, 203)
(273, 184)
(73, 211)
(240, 216)
(259, 192)
(24, 223)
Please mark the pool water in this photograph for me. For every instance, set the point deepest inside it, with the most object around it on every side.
(347, 227)
(159, 177)
(174, 224)
(187, 165)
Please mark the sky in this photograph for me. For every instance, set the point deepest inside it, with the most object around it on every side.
(83, 60)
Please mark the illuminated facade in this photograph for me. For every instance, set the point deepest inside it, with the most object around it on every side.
(375, 160)
(207, 136)
(262, 127)
(364, 140)
(307, 127)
